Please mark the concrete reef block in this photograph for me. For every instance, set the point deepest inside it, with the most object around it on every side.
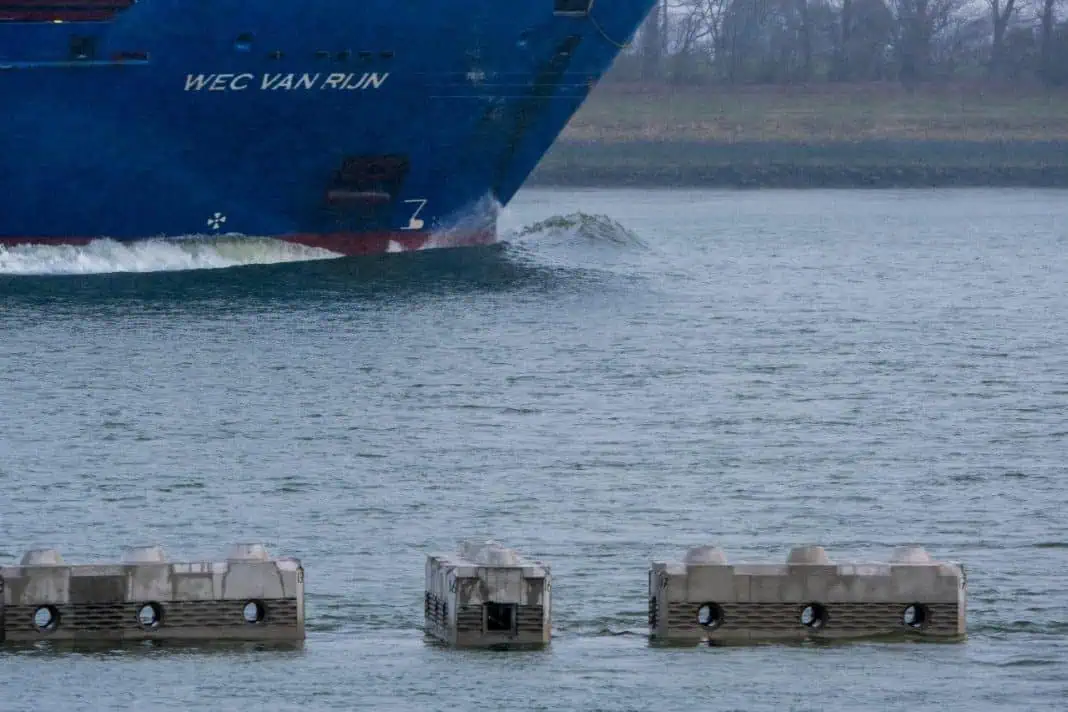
(705, 598)
(248, 596)
(487, 595)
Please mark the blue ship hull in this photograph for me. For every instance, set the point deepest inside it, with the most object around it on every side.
(360, 126)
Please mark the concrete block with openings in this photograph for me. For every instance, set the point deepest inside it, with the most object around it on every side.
(248, 596)
(487, 595)
(705, 598)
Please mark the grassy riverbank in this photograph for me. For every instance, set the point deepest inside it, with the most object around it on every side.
(828, 135)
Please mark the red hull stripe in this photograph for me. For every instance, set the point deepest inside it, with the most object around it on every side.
(343, 243)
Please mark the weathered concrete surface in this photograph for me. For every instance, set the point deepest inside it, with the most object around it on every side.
(487, 595)
(704, 598)
(248, 596)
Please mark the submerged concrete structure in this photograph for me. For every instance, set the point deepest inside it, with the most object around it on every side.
(487, 595)
(705, 598)
(248, 596)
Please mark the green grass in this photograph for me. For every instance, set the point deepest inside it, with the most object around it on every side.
(821, 135)
(820, 113)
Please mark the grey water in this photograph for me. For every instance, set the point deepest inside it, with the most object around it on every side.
(749, 369)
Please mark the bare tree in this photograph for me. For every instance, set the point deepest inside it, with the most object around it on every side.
(841, 69)
(864, 32)
(1047, 23)
(652, 42)
(804, 17)
(919, 23)
(1001, 12)
(688, 41)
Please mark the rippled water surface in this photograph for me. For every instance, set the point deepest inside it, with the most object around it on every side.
(754, 370)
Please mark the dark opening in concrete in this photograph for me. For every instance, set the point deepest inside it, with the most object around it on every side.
(500, 617)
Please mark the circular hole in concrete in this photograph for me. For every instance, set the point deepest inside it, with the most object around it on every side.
(254, 612)
(46, 618)
(915, 615)
(710, 615)
(150, 615)
(814, 616)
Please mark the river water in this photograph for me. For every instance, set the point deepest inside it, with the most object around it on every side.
(644, 372)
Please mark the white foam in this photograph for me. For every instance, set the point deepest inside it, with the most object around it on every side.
(575, 227)
(157, 255)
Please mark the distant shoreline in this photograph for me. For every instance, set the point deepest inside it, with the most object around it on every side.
(829, 135)
(787, 164)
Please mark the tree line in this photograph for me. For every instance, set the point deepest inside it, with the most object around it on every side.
(793, 41)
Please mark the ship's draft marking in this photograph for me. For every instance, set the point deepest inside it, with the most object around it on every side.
(415, 222)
